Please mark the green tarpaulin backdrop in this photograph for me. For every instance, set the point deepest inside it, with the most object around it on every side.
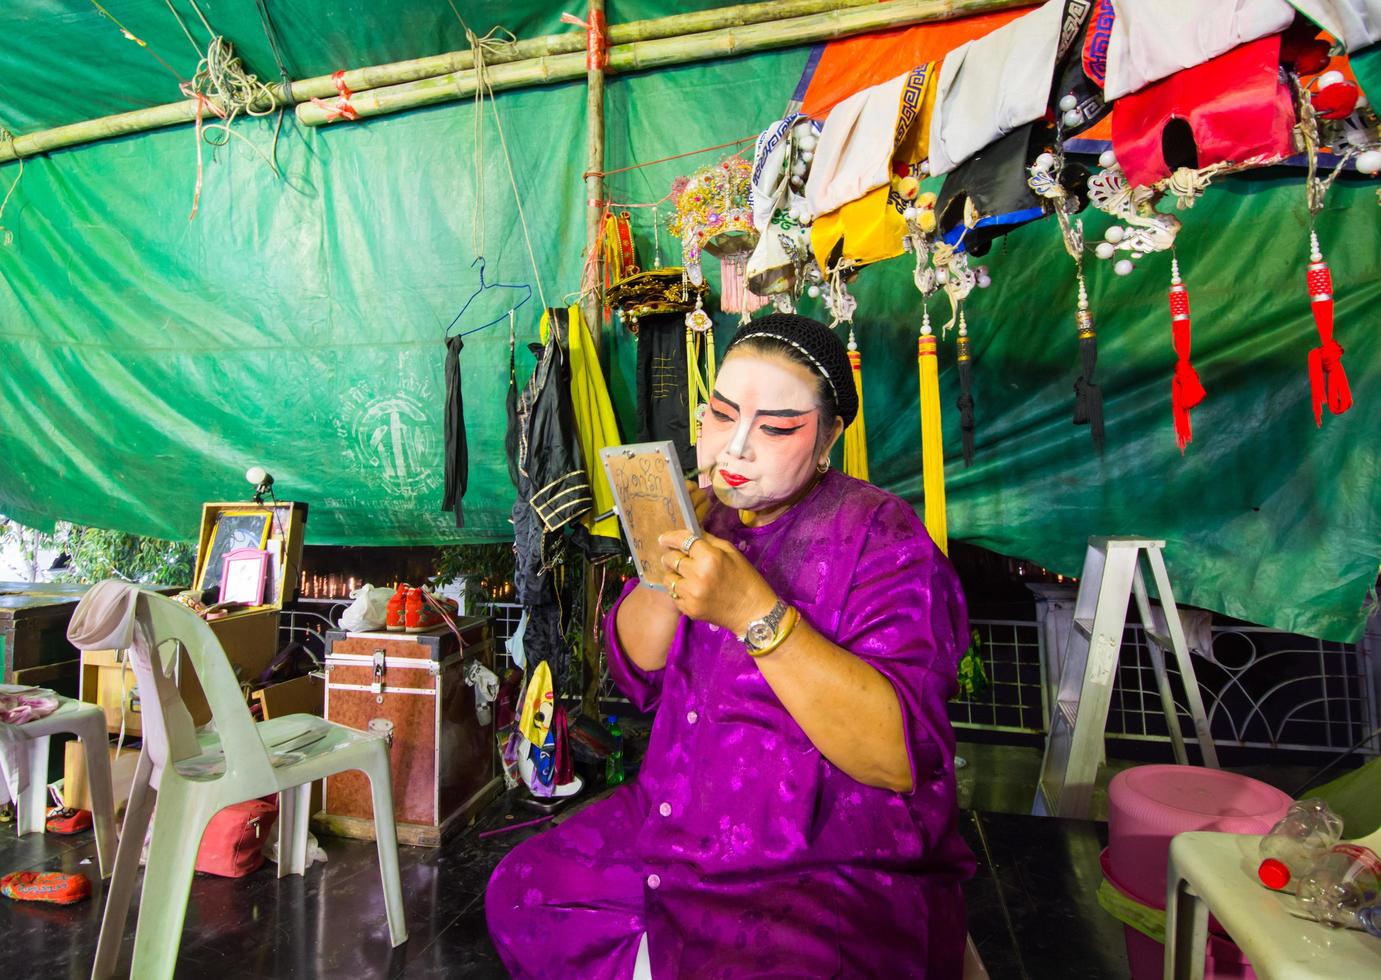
(297, 322)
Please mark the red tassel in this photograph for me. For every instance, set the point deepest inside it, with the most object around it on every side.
(1327, 380)
(1185, 391)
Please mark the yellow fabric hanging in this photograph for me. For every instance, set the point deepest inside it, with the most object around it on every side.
(856, 435)
(871, 228)
(595, 422)
(932, 438)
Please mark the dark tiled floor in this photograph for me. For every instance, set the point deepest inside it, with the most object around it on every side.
(1032, 910)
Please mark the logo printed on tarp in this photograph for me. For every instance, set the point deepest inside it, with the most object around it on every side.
(390, 436)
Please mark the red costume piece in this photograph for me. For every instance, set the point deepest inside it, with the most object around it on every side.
(1186, 390)
(1235, 105)
(1327, 380)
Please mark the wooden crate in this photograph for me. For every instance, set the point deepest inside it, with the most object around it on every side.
(442, 757)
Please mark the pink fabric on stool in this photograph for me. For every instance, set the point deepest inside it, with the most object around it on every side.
(1149, 805)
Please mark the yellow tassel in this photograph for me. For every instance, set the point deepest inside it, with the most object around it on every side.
(856, 435)
(698, 387)
(693, 384)
(932, 439)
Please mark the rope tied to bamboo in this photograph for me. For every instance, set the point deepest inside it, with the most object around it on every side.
(224, 87)
(479, 45)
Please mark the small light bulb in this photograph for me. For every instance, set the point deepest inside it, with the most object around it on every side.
(256, 475)
(1073, 118)
(1114, 233)
(1107, 159)
(1068, 102)
(1124, 267)
(1104, 250)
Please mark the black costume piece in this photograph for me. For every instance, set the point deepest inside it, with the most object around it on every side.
(663, 396)
(553, 491)
(456, 454)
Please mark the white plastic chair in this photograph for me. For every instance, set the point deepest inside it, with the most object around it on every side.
(195, 777)
(1216, 873)
(87, 723)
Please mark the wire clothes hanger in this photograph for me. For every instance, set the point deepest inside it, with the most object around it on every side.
(485, 287)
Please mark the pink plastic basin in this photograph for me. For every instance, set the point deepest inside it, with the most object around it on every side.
(1149, 805)
(1146, 957)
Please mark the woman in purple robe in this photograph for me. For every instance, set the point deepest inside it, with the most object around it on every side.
(795, 815)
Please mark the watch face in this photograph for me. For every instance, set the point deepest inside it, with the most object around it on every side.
(760, 634)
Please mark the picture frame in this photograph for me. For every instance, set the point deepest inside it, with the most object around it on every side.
(234, 530)
(244, 572)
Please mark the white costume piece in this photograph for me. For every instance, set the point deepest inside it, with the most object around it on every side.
(989, 87)
(1356, 23)
(1153, 39)
(768, 189)
(854, 155)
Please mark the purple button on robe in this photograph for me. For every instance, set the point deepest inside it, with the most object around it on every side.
(739, 849)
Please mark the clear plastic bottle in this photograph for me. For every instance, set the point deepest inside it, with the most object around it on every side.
(1340, 885)
(1308, 829)
(613, 765)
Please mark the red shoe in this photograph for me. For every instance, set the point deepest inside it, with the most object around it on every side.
(422, 615)
(45, 886)
(395, 618)
(62, 820)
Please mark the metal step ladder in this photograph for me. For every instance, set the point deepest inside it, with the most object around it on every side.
(1074, 748)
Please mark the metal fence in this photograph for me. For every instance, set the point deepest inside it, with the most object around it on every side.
(1013, 656)
(1261, 688)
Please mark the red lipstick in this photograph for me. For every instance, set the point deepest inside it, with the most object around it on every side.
(733, 479)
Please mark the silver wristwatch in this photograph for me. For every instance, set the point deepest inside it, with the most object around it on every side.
(761, 632)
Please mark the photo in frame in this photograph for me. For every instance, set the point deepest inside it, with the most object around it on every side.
(242, 576)
(234, 530)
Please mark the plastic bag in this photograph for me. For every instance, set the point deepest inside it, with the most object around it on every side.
(369, 611)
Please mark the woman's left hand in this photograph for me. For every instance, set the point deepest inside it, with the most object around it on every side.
(714, 583)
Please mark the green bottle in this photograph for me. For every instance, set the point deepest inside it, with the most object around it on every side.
(613, 766)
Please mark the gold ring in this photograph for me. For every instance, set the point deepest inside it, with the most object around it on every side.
(689, 543)
(671, 591)
(676, 567)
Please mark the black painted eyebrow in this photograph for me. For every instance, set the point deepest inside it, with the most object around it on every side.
(781, 413)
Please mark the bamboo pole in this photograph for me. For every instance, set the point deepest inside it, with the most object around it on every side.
(363, 79)
(594, 175)
(594, 304)
(539, 54)
(660, 53)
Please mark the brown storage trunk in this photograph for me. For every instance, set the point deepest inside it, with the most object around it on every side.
(442, 758)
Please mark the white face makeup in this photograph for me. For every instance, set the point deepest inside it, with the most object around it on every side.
(761, 431)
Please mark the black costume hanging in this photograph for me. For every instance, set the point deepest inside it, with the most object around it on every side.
(456, 454)
(553, 491)
(663, 389)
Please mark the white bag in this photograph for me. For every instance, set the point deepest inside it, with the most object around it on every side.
(369, 611)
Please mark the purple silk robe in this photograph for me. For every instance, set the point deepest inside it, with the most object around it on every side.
(739, 849)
